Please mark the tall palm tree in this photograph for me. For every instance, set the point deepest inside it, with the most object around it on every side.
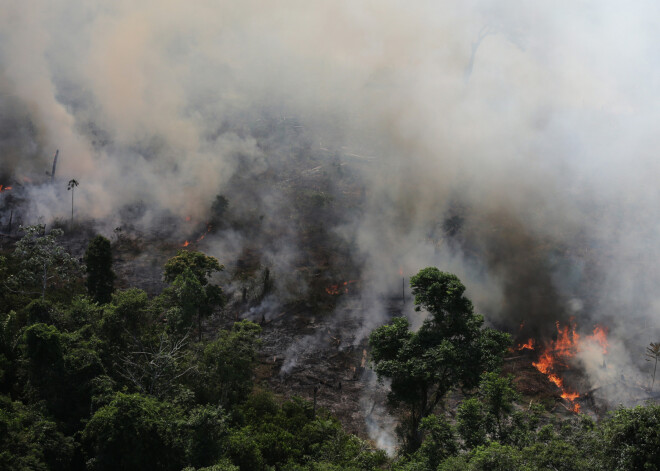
(72, 184)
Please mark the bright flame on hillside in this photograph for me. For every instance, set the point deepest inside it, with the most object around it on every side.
(4, 188)
(557, 354)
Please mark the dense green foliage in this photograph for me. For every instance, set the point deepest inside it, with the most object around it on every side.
(490, 434)
(189, 274)
(116, 380)
(632, 439)
(100, 277)
(451, 349)
(202, 266)
(42, 261)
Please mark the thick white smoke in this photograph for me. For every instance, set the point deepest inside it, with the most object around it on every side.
(531, 127)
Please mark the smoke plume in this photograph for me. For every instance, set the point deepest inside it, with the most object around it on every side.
(510, 143)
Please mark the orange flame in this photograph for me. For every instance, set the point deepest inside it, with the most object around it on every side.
(600, 337)
(526, 346)
(340, 288)
(208, 229)
(4, 188)
(555, 357)
(557, 354)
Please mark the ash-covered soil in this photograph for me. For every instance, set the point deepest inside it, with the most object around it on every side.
(320, 355)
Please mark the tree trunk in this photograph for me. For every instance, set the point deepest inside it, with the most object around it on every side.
(43, 281)
(72, 190)
(416, 416)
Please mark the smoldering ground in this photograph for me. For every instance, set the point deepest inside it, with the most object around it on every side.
(510, 143)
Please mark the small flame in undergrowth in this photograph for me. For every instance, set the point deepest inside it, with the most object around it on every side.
(4, 188)
(340, 288)
(526, 346)
(558, 353)
(208, 229)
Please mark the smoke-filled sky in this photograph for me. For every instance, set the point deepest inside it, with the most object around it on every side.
(529, 126)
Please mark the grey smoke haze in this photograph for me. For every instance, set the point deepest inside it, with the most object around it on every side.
(510, 142)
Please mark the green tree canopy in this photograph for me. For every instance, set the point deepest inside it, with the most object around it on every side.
(29, 441)
(631, 439)
(451, 349)
(42, 260)
(191, 298)
(100, 277)
(134, 432)
(201, 265)
(189, 273)
(228, 363)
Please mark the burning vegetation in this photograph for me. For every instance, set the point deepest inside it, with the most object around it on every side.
(200, 238)
(341, 288)
(560, 355)
(313, 165)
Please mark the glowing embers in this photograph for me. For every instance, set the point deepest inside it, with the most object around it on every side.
(555, 356)
(340, 288)
(4, 188)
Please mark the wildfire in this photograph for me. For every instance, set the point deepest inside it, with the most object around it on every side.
(188, 242)
(4, 188)
(600, 337)
(557, 354)
(526, 346)
(340, 288)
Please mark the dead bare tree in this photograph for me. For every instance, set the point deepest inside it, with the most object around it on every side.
(485, 31)
(154, 370)
(653, 354)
